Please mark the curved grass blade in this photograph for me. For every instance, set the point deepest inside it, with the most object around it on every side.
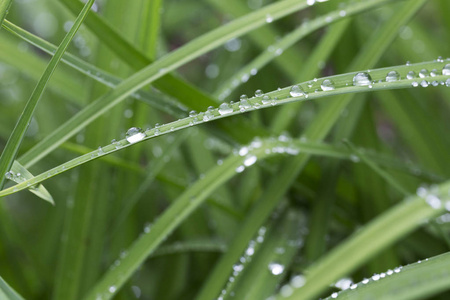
(163, 66)
(4, 9)
(268, 267)
(182, 208)
(190, 246)
(13, 144)
(160, 102)
(290, 39)
(19, 174)
(7, 292)
(377, 235)
(420, 280)
(317, 130)
(343, 84)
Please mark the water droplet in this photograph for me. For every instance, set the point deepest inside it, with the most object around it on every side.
(225, 108)
(365, 281)
(9, 175)
(362, 79)
(327, 85)
(440, 59)
(243, 151)
(415, 84)
(375, 277)
(310, 2)
(112, 289)
(297, 91)
(286, 290)
(253, 71)
(208, 115)
(269, 18)
(424, 73)
(398, 269)
(240, 169)
(244, 104)
(258, 93)
(433, 201)
(446, 70)
(192, 113)
(276, 268)
(392, 76)
(298, 281)
(447, 83)
(100, 151)
(424, 83)
(334, 295)
(411, 75)
(266, 99)
(135, 134)
(250, 160)
(434, 73)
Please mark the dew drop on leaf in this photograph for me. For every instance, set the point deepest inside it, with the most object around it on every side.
(327, 85)
(392, 76)
(296, 91)
(135, 134)
(362, 79)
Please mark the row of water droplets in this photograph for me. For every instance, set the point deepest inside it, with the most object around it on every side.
(347, 284)
(136, 134)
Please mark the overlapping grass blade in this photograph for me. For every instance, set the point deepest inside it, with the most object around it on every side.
(7, 292)
(158, 69)
(4, 9)
(290, 39)
(343, 86)
(317, 130)
(180, 209)
(13, 144)
(159, 101)
(385, 230)
(415, 281)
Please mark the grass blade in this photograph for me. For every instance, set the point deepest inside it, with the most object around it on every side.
(7, 292)
(377, 235)
(13, 144)
(415, 281)
(4, 9)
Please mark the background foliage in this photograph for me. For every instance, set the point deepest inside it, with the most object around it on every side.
(310, 189)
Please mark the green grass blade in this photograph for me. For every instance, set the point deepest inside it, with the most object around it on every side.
(4, 9)
(13, 144)
(18, 174)
(377, 235)
(415, 281)
(317, 130)
(7, 292)
(178, 211)
(168, 63)
(343, 86)
(161, 102)
(290, 39)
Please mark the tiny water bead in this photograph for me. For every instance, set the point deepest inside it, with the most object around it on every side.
(297, 91)
(447, 83)
(135, 134)
(9, 175)
(392, 76)
(276, 268)
(411, 75)
(446, 70)
(424, 73)
(225, 109)
(424, 83)
(266, 99)
(208, 115)
(362, 79)
(258, 93)
(250, 160)
(327, 85)
(269, 18)
(192, 113)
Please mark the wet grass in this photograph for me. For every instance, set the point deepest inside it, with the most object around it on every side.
(332, 176)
